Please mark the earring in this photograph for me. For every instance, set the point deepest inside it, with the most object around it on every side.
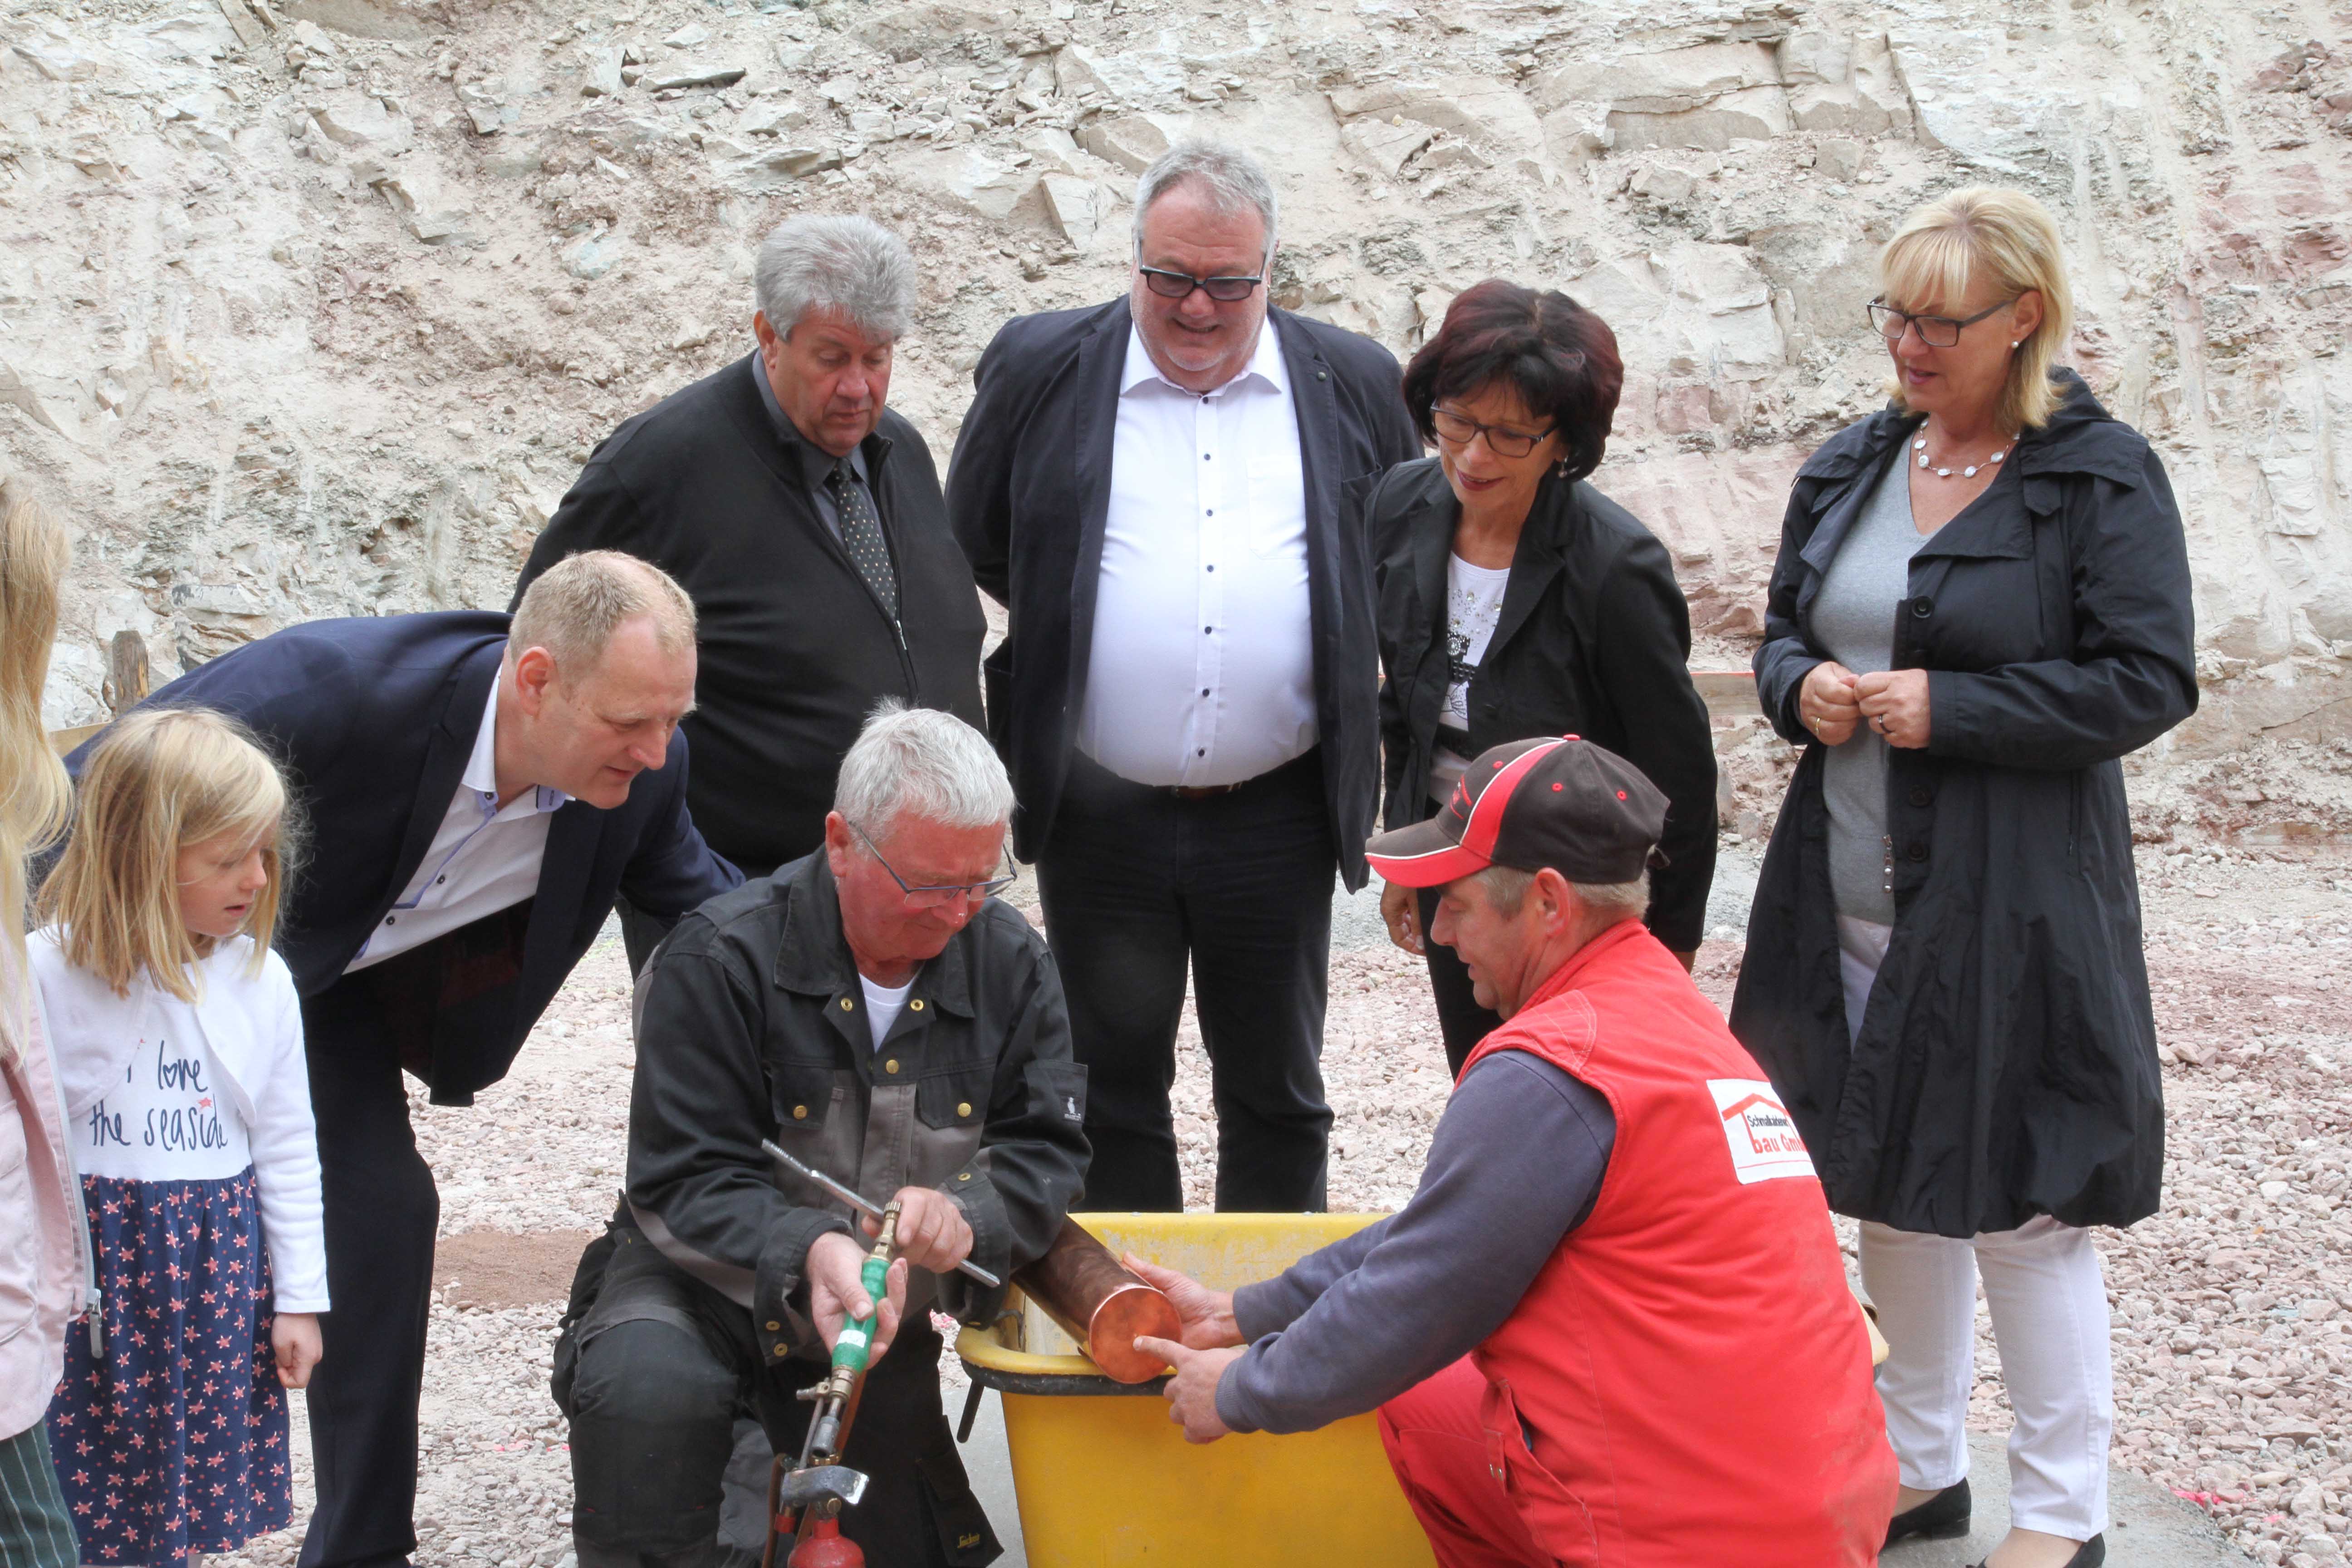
(1559, 470)
(2014, 342)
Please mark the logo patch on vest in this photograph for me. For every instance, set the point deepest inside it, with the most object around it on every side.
(1762, 1135)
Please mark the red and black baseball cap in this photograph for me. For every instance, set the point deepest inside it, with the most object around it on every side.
(1580, 809)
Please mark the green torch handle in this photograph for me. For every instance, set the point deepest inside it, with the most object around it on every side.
(856, 1341)
(857, 1335)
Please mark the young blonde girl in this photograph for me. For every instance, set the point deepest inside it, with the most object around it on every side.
(178, 1038)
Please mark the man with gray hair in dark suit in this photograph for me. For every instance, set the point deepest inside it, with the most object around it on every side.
(805, 518)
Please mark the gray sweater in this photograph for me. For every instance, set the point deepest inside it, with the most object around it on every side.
(1514, 1166)
(1853, 617)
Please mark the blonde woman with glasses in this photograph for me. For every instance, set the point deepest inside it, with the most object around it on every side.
(1981, 604)
(44, 1245)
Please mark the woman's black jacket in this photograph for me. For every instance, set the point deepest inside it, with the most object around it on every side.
(2006, 1065)
(1593, 640)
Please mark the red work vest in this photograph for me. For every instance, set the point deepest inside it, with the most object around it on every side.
(1690, 1367)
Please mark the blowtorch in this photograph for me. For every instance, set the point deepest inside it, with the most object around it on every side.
(805, 1502)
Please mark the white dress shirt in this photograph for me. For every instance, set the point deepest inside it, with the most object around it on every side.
(482, 859)
(1203, 668)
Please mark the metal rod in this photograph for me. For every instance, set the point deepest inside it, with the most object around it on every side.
(857, 1201)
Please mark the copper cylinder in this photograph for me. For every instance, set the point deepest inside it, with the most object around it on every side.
(1100, 1304)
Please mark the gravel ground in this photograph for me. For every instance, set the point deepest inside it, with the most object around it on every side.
(2233, 1307)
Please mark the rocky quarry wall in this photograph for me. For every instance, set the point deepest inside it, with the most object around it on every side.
(315, 307)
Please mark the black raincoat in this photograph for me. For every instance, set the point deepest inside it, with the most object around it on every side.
(2006, 1065)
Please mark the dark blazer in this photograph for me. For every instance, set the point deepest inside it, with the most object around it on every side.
(2006, 1065)
(795, 648)
(1593, 640)
(1029, 491)
(373, 720)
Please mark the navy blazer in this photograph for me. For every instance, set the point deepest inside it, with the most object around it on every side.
(373, 720)
(1029, 493)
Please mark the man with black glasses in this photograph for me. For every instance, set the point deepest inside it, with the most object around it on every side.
(874, 1012)
(1167, 492)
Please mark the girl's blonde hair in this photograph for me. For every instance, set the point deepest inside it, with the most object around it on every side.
(1933, 259)
(158, 781)
(35, 798)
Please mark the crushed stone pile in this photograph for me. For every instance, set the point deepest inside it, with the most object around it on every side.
(315, 307)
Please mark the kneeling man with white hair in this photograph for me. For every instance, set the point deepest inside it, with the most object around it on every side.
(1612, 1326)
(873, 1011)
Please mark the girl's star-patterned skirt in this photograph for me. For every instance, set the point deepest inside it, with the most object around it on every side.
(175, 1441)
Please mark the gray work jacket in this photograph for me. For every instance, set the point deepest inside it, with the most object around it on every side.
(751, 1024)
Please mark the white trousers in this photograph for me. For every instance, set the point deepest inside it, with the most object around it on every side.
(2049, 1305)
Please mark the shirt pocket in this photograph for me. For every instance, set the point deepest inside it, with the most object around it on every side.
(955, 1095)
(1277, 503)
(20, 1240)
(805, 1097)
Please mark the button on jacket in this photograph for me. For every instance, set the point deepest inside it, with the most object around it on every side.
(752, 1025)
(1593, 640)
(795, 648)
(2006, 1065)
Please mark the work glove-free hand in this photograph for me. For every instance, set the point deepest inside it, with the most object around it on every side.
(1193, 1392)
(933, 1232)
(836, 1295)
(1206, 1315)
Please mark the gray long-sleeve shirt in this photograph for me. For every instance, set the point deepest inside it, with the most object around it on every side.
(1515, 1164)
(1853, 616)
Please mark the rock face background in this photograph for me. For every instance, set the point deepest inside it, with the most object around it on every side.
(317, 309)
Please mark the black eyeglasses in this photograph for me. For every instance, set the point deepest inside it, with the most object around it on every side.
(1936, 332)
(932, 896)
(1179, 285)
(1460, 430)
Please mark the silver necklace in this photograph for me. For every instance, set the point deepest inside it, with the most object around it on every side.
(1920, 446)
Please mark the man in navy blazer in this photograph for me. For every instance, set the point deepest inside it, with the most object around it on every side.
(475, 797)
(1166, 493)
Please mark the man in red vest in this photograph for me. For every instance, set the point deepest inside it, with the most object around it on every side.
(1611, 1329)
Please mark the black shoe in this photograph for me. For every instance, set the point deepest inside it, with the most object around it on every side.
(2090, 1554)
(1940, 1517)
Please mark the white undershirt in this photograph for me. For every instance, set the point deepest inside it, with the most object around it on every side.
(1202, 666)
(482, 859)
(883, 1005)
(1474, 603)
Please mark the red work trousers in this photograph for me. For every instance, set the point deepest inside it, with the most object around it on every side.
(1438, 1450)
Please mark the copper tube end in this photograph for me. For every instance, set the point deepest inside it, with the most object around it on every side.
(1129, 1310)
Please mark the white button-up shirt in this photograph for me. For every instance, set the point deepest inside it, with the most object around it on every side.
(1203, 668)
(482, 859)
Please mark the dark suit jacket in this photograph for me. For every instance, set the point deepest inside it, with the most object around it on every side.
(1029, 491)
(795, 648)
(373, 720)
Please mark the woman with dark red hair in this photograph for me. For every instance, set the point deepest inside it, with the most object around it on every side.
(1517, 600)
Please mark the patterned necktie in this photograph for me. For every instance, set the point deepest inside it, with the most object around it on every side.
(861, 535)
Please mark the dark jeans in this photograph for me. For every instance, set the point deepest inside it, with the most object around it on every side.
(381, 1210)
(1136, 882)
(1463, 1022)
(663, 1363)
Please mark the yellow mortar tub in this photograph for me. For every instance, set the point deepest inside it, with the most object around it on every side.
(1105, 1478)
